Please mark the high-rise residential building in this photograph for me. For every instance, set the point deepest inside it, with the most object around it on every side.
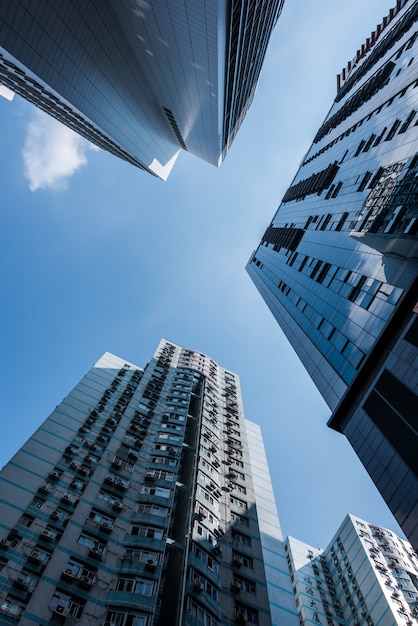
(142, 80)
(338, 263)
(134, 504)
(367, 575)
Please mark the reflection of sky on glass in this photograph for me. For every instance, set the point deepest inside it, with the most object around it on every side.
(120, 259)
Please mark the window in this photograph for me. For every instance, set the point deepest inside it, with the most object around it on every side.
(203, 494)
(169, 436)
(240, 538)
(164, 447)
(367, 176)
(101, 519)
(242, 559)
(201, 583)
(148, 531)
(172, 427)
(120, 618)
(122, 464)
(243, 584)
(204, 533)
(77, 570)
(66, 605)
(162, 460)
(141, 586)
(91, 542)
(240, 519)
(393, 130)
(152, 509)
(154, 474)
(38, 503)
(240, 488)
(12, 607)
(107, 497)
(206, 558)
(142, 556)
(246, 613)
(161, 492)
(26, 520)
(237, 502)
(200, 614)
(78, 484)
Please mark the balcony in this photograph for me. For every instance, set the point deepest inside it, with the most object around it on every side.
(124, 598)
(138, 541)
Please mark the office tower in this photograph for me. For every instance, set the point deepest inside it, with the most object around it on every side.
(139, 79)
(367, 575)
(133, 504)
(338, 263)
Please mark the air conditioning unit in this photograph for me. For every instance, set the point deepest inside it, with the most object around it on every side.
(68, 573)
(61, 608)
(95, 553)
(35, 556)
(117, 506)
(198, 587)
(55, 515)
(151, 564)
(85, 581)
(46, 535)
(106, 526)
(4, 544)
(20, 582)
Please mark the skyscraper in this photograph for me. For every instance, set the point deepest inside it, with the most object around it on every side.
(139, 79)
(338, 264)
(366, 575)
(134, 504)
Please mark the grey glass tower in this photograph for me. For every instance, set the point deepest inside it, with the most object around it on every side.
(140, 79)
(134, 504)
(338, 264)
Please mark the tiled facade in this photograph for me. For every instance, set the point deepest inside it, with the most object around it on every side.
(367, 575)
(133, 504)
(142, 80)
(338, 264)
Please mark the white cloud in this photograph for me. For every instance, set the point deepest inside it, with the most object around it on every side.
(52, 152)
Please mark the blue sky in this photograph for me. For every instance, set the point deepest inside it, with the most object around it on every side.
(98, 256)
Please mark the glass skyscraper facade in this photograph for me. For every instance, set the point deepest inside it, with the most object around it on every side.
(338, 263)
(134, 504)
(141, 80)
